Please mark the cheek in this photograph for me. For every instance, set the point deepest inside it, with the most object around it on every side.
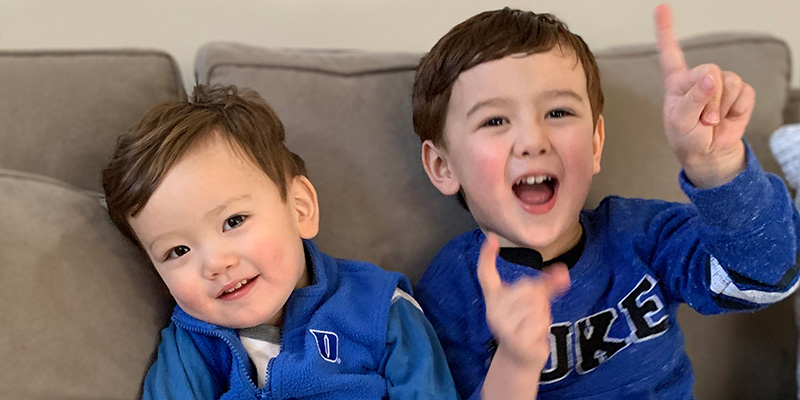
(484, 165)
(186, 292)
(578, 155)
(276, 258)
(266, 253)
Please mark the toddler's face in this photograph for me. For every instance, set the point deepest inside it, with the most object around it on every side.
(521, 143)
(222, 239)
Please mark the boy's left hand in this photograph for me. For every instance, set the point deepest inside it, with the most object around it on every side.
(706, 111)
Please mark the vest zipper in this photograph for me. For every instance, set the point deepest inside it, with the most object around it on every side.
(242, 371)
(267, 380)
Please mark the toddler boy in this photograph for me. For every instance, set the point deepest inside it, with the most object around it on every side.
(508, 105)
(225, 213)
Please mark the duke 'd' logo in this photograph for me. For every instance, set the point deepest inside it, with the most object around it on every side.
(328, 345)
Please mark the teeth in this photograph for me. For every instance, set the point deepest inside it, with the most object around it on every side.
(534, 180)
(238, 285)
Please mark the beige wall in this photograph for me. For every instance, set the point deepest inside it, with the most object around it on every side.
(181, 26)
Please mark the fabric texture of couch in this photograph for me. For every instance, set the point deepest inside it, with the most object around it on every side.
(83, 308)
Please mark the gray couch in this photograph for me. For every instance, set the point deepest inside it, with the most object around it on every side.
(82, 308)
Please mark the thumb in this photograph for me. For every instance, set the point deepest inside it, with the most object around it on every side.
(488, 277)
(555, 279)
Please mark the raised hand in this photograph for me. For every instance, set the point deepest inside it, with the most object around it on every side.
(706, 111)
(518, 314)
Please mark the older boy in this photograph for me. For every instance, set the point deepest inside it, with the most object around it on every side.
(508, 105)
(224, 211)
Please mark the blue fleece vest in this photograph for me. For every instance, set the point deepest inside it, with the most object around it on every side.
(333, 338)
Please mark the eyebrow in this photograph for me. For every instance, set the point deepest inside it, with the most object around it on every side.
(218, 209)
(553, 93)
(214, 211)
(155, 240)
(488, 102)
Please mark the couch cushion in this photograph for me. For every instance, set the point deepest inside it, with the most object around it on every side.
(348, 114)
(61, 112)
(81, 308)
(792, 112)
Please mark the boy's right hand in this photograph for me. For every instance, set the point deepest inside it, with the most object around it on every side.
(518, 314)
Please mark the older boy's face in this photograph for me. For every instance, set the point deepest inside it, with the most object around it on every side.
(521, 143)
(222, 239)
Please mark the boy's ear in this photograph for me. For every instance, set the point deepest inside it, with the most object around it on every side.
(304, 198)
(597, 143)
(438, 169)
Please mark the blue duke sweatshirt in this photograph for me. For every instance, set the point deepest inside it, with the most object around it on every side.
(615, 334)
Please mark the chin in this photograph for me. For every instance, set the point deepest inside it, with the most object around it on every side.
(539, 244)
(531, 241)
(249, 323)
(539, 240)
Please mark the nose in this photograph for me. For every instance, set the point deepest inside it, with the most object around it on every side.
(532, 139)
(218, 261)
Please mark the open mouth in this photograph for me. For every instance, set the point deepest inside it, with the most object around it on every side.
(235, 290)
(535, 190)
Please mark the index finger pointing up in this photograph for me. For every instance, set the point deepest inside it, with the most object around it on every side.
(669, 50)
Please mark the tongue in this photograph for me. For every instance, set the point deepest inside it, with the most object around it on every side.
(534, 194)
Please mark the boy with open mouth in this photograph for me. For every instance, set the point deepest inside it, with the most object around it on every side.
(508, 106)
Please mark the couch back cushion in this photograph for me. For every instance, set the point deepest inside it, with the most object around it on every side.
(61, 111)
(348, 114)
(81, 307)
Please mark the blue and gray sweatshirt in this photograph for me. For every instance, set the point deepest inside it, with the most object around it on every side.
(615, 333)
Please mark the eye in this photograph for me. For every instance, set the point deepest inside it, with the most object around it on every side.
(559, 113)
(233, 222)
(494, 121)
(176, 252)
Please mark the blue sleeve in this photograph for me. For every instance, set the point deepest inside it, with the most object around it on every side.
(414, 365)
(179, 371)
(452, 302)
(736, 248)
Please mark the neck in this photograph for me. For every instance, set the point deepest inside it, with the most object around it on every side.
(563, 243)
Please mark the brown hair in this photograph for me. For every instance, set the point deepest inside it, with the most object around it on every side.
(167, 131)
(488, 36)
